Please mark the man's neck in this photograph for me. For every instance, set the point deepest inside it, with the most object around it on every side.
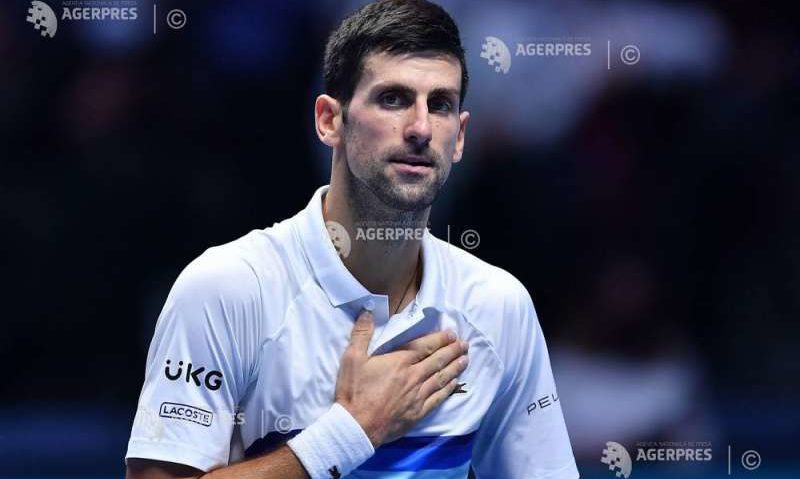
(383, 266)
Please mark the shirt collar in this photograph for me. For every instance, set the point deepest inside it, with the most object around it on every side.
(336, 280)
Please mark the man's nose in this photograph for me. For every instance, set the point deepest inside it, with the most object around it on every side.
(418, 131)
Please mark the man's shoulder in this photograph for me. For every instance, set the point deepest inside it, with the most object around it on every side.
(262, 249)
(242, 269)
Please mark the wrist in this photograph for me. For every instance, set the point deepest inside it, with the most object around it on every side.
(375, 432)
(333, 445)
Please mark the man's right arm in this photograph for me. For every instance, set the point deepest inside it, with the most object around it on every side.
(383, 395)
(279, 463)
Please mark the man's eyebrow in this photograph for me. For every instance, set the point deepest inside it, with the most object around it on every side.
(444, 91)
(399, 87)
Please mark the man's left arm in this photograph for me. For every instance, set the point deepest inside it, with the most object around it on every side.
(523, 435)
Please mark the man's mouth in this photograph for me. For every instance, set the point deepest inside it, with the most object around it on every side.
(412, 166)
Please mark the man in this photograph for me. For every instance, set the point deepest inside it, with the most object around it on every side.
(257, 343)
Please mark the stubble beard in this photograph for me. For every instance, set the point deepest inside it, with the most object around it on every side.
(376, 195)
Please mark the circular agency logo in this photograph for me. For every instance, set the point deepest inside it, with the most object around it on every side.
(497, 54)
(617, 458)
(43, 18)
(340, 238)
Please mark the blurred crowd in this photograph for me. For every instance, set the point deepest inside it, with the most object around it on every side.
(650, 209)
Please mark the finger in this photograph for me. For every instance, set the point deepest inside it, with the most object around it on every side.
(441, 378)
(362, 331)
(424, 346)
(437, 398)
(441, 358)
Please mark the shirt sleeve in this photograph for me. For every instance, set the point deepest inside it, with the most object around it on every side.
(199, 364)
(523, 435)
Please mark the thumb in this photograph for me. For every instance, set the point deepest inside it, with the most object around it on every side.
(362, 331)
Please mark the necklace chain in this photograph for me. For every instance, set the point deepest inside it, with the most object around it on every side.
(413, 277)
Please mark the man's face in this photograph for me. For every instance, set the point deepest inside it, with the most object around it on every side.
(403, 128)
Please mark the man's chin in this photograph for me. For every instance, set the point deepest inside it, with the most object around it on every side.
(405, 198)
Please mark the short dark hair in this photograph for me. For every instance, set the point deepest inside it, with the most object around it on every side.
(390, 26)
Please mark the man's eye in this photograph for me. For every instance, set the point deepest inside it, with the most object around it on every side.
(391, 99)
(441, 104)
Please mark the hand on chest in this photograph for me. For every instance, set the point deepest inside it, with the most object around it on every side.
(299, 366)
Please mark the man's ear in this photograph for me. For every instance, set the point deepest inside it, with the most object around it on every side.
(463, 118)
(328, 120)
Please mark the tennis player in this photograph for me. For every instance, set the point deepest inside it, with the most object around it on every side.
(347, 341)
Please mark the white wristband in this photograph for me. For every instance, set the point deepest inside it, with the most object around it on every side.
(333, 445)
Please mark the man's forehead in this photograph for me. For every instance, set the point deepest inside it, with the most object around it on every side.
(437, 69)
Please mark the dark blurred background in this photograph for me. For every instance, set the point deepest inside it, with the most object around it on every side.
(650, 208)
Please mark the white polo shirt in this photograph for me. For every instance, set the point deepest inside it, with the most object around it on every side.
(246, 353)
